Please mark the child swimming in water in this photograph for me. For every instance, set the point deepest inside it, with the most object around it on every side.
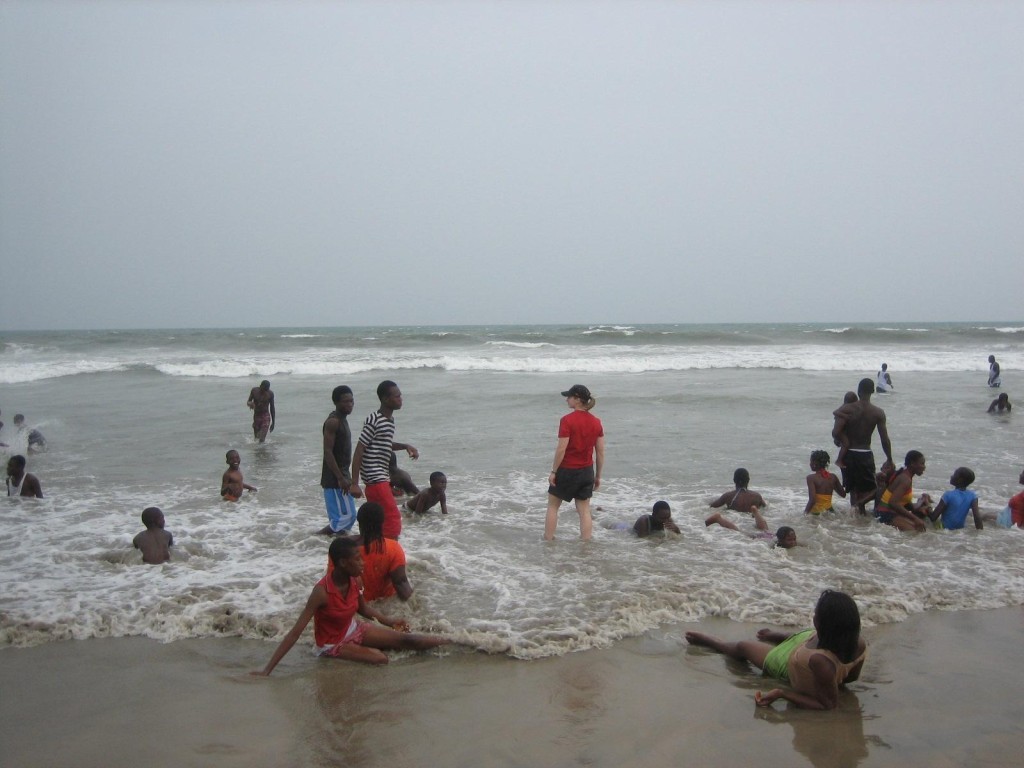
(815, 662)
(821, 484)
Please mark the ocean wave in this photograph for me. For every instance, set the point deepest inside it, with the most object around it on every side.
(24, 373)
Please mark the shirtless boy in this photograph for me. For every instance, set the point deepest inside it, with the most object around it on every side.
(232, 484)
(855, 423)
(264, 416)
(154, 542)
(431, 496)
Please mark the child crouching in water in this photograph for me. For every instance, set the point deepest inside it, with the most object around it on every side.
(821, 484)
(954, 505)
(154, 542)
(333, 604)
(815, 662)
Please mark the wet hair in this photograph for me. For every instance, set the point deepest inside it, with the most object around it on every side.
(384, 389)
(265, 384)
(19, 461)
(661, 505)
(911, 457)
(849, 397)
(342, 548)
(865, 387)
(341, 389)
(150, 515)
(966, 475)
(741, 478)
(436, 476)
(819, 460)
(370, 519)
(837, 621)
(783, 532)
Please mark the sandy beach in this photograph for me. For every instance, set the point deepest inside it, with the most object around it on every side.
(938, 690)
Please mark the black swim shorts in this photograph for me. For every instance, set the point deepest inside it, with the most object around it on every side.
(860, 472)
(573, 483)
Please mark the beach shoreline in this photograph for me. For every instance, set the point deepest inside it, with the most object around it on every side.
(935, 691)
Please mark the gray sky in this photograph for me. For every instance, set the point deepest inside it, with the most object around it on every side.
(167, 164)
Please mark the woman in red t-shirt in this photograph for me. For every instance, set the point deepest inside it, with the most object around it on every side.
(579, 458)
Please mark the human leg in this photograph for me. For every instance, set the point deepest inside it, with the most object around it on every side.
(551, 521)
(722, 520)
(377, 636)
(753, 651)
(586, 521)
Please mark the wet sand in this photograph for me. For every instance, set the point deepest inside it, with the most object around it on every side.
(940, 689)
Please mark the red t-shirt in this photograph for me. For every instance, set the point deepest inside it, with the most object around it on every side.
(377, 568)
(582, 429)
(1017, 509)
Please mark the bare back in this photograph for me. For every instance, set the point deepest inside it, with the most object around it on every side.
(859, 421)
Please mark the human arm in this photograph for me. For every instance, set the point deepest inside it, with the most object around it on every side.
(251, 402)
(401, 581)
(444, 504)
(598, 461)
(837, 487)
(413, 453)
(673, 527)
(898, 488)
(317, 599)
(249, 487)
(723, 499)
(977, 515)
(824, 696)
(883, 436)
(642, 527)
(273, 413)
(992, 406)
(563, 443)
(357, 466)
(810, 494)
(936, 513)
(32, 487)
(374, 615)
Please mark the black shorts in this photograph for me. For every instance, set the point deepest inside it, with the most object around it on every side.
(573, 483)
(860, 472)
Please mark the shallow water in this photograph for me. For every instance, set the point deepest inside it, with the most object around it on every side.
(151, 428)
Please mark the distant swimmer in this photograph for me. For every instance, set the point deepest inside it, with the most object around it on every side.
(815, 662)
(821, 484)
(335, 469)
(372, 459)
(579, 460)
(264, 415)
(659, 521)
(431, 496)
(741, 500)
(883, 381)
(154, 542)
(20, 482)
(34, 439)
(994, 379)
(855, 423)
(333, 605)
(1000, 404)
(231, 484)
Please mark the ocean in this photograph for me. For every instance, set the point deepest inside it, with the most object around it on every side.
(143, 418)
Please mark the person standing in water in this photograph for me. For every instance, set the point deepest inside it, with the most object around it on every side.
(994, 379)
(264, 416)
(855, 423)
(883, 381)
(579, 459)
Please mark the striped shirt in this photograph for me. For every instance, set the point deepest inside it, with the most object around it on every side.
(376, 438)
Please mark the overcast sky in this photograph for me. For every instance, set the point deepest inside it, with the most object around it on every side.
(190, 164)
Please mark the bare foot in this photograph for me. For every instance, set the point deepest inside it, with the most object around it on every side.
(699, 638)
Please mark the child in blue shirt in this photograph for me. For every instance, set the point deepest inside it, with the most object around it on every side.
(955, 504)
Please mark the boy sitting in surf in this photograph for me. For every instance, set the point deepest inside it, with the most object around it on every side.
(741, 500)
(154, 542)
(431, 496)
(955, 504)
(821, 484)
(232, 484)
(659, 521)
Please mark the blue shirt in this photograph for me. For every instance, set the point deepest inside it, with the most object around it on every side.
(958, 505)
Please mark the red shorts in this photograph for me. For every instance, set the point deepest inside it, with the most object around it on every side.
(354, 636)
(381, 493)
